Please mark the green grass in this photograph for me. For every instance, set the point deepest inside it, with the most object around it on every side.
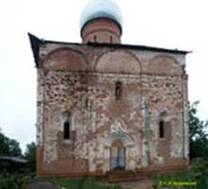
(86, 183)
(21, 181)
(198, 174)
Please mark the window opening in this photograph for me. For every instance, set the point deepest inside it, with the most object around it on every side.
(86, 103)
(66, 126)
(111, 39)
(161, 129)
(95, 38)
(66, 130)
(118, 90)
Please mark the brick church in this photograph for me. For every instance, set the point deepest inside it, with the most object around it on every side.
(109, 109)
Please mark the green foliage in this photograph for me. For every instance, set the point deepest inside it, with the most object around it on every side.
(198, 135)
(14, 181)
(22, 181)
(9, 147)
(30, 156)
(198, 174)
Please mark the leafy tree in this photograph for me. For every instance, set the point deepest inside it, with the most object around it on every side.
(9, 147)
(30, 156)
(198, 134)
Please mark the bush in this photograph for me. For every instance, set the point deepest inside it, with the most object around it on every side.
(198, 174)
(17, 180)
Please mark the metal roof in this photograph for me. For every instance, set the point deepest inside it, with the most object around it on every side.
(36, 43)
(13, 159)
(101, 9)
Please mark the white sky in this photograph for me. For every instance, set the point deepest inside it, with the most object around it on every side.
(173, 24)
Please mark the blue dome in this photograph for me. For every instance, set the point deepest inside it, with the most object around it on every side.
(101, 9)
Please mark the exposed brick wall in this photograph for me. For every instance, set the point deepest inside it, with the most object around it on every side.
(81, 80)
(101, 31)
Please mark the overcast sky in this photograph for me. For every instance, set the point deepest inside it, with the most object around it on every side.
(180, 24)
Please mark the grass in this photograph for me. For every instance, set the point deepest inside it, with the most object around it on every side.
(86, 183)
(197, 174)
(22, 180)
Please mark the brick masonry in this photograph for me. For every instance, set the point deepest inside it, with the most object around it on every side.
(101, 30)
(80, 79)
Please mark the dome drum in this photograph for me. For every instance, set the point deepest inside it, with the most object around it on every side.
(101, 30)
(101, 21)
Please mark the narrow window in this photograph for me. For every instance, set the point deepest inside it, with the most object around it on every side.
(67, 125)
(161, 129)
(118, 90)
(86, 103)
(66, 130)
(95, 38)
(111, 39)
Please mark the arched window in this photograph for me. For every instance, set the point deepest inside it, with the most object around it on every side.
(66, 126)
(161, 129)
(118, 90)
(66, 130)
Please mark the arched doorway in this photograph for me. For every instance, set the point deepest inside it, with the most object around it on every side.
(117, 156)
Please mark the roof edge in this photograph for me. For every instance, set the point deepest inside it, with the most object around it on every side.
(133, 47)
(35, 43)
(13, 159)
(140, 47)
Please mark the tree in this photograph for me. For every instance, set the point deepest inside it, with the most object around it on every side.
(9, 147)
(30, 156)
(198, 135)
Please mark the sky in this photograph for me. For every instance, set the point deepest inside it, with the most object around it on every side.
(180, 24)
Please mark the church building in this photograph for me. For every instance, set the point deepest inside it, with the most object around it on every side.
(108, 109)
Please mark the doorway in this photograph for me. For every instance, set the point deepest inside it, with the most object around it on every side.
(117, 156)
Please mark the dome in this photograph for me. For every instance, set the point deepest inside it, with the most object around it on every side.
(101, 9)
